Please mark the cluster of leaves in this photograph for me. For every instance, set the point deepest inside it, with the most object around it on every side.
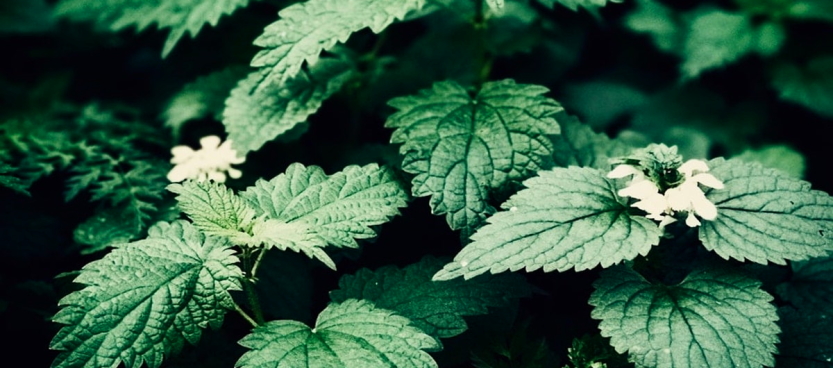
(522, 181)
(100, 153)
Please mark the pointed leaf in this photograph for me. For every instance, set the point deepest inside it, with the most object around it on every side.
(436, 308)
(575, 4)
(255, 115)
(353, 334)
(808, 85)
(496, 5)
(811, 284)
(579, 145)
(806, 340)
(109, 225)
(307, 28)
(765, 215)
(143, 300)
(216, 210)
(713, 318)
(565, 218)
(179, 15)
(295, 236)
(461, 147)
(338, 209)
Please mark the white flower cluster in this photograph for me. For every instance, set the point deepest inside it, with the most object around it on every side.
(687, 197)
(211, 161)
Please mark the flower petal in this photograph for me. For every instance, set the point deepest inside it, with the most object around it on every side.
(181, 154)
(708, 180)
(640, 190)
(210, 142)
(181, 172)
(622, 171)
(678, 198)
(217, 176)
(693, 165)
(654, 205)
(703, 207)
(691, 220)
(234, 173)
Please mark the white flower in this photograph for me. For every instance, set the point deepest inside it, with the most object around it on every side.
(211, 161)
(687, 197)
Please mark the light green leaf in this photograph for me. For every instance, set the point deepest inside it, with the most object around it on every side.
(806, 340)
(716, 38)
(496, 5)
(201, 98)
(798, 9)
(461, 147)
(713, 318)
(295, 236)
(109, 225)
(353, 334)
(659, 22)
(179, 15)
(436, 308)
(575, 4)
(811, 284)
(145, 299)
(765, 215)
(255, 115)
(216, 210)
(809, 85)
(777, 156)
(307, 28)
(565, 218)
(579, 145)
(9, 179)
(338, 209)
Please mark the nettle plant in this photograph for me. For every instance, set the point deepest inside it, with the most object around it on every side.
(680, 239)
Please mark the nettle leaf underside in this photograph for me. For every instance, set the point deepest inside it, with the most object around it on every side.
(255, 115)
(352, 334)
(179, 15)
(565, 218)
(766, 215)
(436, 308)
(713, 318)
(338, 209)
(307, 28)
(143, 300)
(461, 147)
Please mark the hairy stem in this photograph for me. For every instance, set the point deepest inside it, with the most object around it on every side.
(245, 315)
(254, 300)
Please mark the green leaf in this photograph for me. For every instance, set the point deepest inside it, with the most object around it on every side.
(713, 318)
(565, 218)
(496, 5)
(295, 236)
(145, 299)
(461, 147)
(808, 85)
(9, 179)
(109, 225)
(806, 340)
(765, 215)
(659, 22)
(579, 145)
(436, 308)
(337, 209)
(777, 156)
(255, 115)
(811, 284)
(716, 38)
(307, 28)
(201, 98)
(575, 4)
(353, 334)
(216, 210)
(179, 15)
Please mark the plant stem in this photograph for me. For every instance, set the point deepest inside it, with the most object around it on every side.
(254, 301)
(257, 264)
(245, 315)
